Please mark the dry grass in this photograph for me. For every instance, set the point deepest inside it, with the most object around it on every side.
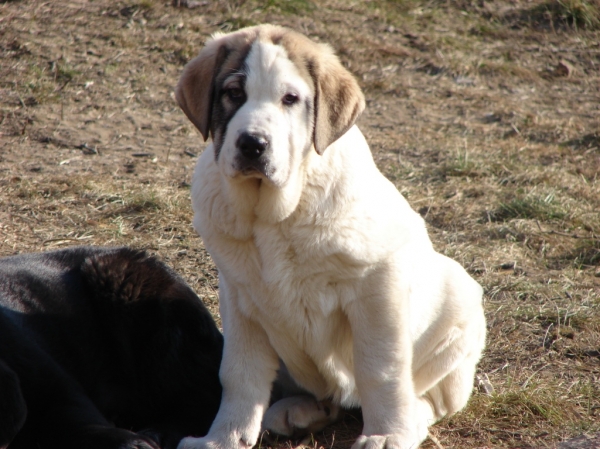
(485, 116)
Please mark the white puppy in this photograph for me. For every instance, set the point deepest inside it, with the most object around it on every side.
(322, 263)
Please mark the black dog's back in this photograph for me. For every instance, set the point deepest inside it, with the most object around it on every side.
(99, 336)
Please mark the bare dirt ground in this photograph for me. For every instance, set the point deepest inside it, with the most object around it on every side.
(485, 115)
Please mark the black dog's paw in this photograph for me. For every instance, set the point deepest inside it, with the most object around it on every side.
(12, 405)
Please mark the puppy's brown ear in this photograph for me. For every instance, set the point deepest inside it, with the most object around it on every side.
(338, 99)
(195, 90)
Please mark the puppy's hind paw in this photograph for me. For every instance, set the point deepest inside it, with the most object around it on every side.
(297, 416)
(197, 443)
(208, 443)
(384, 442)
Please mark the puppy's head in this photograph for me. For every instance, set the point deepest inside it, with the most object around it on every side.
(267, 96)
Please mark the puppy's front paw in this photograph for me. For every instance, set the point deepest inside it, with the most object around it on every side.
(393, 441)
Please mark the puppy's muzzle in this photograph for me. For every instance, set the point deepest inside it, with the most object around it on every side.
(251, 146)
(252, 158)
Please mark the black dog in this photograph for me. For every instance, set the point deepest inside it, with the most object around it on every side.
(103, 348)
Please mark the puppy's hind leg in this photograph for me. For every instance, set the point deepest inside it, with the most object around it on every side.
(13, 409)
(445, 382)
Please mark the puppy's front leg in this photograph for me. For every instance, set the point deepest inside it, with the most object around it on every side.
(383, 369)
(247, 372)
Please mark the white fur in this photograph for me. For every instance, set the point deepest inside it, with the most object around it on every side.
(325, 265)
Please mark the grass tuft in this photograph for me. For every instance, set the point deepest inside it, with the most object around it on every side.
(460, 165)
(587, 253)
(529, 207)
(147, 4)
(577, 13)
(64, 73)
(291, 6)
(523, 406)
(564, 13)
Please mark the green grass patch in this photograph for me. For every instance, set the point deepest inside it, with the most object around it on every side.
(564, 13)
(460, 165)
(562, 318)
(38, 84)
(43, 83)
(147, 4)
(542, 208)
(291, 6)
(398, 6)
(146, 201)
(504, 69)
(527, 405)
(586, 253)
(64, 73)
(576, 13)
(134, 203)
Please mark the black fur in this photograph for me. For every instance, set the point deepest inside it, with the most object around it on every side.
(103, 348)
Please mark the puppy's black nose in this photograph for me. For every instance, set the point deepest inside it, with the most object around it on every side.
(251, 146)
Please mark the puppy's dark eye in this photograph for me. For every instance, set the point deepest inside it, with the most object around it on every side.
(289, 99)
(236, 94)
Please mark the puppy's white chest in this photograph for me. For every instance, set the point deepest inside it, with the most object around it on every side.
(280, 280)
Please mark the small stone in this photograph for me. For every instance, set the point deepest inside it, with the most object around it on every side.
(564, 68)
(484, 385)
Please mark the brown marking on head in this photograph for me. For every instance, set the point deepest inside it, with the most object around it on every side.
(196, 89)
(338, 99)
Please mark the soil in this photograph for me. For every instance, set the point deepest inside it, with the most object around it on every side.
(486, 116)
